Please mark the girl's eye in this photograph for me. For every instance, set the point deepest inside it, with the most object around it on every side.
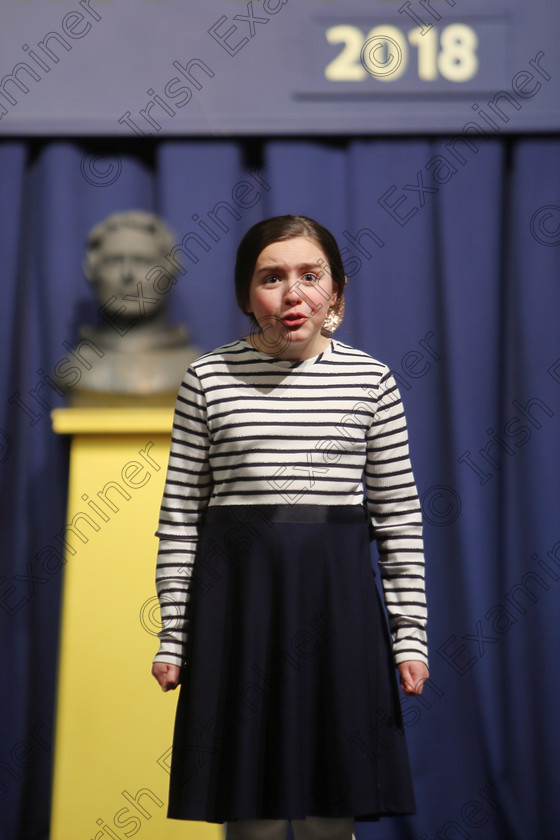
(272, 278)
(310, 278)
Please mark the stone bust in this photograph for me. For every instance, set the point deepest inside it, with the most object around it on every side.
(139, 356)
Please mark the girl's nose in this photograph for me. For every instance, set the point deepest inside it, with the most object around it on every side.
(292, 294)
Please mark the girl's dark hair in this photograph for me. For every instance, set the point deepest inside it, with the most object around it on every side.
(275, 230)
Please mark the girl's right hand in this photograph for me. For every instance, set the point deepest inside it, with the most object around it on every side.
(168, 676)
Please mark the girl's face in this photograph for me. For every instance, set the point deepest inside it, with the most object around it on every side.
(289, 295)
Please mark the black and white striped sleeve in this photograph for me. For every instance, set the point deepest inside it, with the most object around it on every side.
(188, 486)
(396, 517)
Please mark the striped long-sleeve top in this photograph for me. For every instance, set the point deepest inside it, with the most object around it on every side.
(252, 429)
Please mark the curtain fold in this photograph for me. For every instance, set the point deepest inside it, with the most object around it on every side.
(453, 258)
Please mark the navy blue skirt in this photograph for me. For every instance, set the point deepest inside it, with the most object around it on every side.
(288, 705)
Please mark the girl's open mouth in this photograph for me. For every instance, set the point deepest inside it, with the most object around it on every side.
(293, 321)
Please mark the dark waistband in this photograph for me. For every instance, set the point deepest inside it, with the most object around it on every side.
(220, 514)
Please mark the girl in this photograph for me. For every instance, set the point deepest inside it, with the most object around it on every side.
(271, 619)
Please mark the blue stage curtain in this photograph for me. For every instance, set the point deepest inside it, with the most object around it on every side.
(453, 254)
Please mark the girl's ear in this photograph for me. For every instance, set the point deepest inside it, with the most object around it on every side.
(336, 295)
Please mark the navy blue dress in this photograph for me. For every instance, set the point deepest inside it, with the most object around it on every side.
(289, 705)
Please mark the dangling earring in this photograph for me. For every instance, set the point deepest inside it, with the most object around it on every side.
(335, 315)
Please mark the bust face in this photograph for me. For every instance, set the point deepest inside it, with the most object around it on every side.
(123, 259)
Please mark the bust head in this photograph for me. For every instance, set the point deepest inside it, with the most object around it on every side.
(120, 251)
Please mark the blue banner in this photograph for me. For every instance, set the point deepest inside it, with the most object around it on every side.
(231, 67)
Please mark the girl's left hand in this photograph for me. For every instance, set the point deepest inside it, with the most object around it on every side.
(413, 676)
(167, 675)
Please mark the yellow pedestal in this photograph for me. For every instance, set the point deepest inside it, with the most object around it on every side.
(114, 725)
